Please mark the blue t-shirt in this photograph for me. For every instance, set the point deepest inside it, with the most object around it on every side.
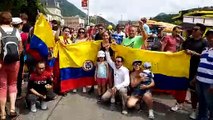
(118, 38)
(101, 70)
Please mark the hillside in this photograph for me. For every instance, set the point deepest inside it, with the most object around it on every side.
(68, 9)
(165, 17)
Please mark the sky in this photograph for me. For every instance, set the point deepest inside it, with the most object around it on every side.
(114, 10)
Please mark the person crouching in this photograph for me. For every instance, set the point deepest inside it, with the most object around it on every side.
(40, 87)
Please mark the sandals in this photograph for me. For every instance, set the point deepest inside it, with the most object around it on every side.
(13, 114)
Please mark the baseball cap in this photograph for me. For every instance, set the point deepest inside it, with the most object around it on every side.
(147, 65)
(210, 31)
(16, 21)
(101, 53)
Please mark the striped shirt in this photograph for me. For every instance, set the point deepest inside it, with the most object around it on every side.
(205, 68)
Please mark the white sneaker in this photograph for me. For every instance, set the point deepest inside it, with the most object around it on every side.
(33, 108)
(124, 112)
(177, 107)
(193, 115)
(43, 105)
(74, 91)
(151, 114)
(112, 100)
(84, 90)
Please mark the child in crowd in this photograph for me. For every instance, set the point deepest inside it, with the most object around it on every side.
(40, 87)
(101, 74)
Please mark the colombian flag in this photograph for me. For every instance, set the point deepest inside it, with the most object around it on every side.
(42, 38)
(77, 64)
(171, 70)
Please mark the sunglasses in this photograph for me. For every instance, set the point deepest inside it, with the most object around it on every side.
(137, 64)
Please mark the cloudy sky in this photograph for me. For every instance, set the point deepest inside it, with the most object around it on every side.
(114, 10)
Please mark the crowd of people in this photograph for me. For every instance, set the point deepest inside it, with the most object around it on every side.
(113, 79)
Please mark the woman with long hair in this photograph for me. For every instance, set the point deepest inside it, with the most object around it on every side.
(141, 82)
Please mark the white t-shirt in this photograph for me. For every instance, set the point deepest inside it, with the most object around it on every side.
(9, 30)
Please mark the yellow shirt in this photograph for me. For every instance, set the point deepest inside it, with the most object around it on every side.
(65, 42)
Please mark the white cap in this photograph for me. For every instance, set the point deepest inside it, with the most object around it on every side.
(16, 20)
(147, 65)
(101, 53)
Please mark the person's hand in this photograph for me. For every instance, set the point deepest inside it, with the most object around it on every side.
(114, 89)
(48, 86)
(141, 23)
(142, 77)
(193, 83)
(189, 52)
(114, 42)
(44, 96)
(143, 87)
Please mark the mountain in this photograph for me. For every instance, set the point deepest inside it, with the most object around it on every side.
(165, 17)
(69, 9)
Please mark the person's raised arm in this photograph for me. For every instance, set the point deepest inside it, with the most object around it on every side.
(108, 58)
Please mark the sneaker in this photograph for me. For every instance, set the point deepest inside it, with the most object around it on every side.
(112, 100)
(177, 107)
(151, 114)
(43, 105)
(84, 90)
(124, 112)
(33, 108)
(74, 91)
(193, 115)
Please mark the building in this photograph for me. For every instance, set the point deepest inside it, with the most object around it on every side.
(200, 15)
(74, 21)
(53, 10)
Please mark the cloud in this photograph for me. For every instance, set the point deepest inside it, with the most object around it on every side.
(115, 10)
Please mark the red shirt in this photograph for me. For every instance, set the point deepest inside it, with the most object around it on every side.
(170, 43)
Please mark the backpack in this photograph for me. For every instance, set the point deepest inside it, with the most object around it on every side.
(9, 46)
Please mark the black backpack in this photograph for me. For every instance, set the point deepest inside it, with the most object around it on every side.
(9, 46)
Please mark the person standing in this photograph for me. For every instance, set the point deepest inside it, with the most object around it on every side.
(101, 74)
(193, 46)
(101, 30)
(170, 42)
(205, 82)
(9, 67)
(135, 41)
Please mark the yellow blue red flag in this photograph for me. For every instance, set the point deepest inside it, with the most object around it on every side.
(171, 70)
(42, 38)
(77, 66)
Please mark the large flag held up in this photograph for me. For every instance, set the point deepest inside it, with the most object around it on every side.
(171, 69)
(77, 65)
(43, 37)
